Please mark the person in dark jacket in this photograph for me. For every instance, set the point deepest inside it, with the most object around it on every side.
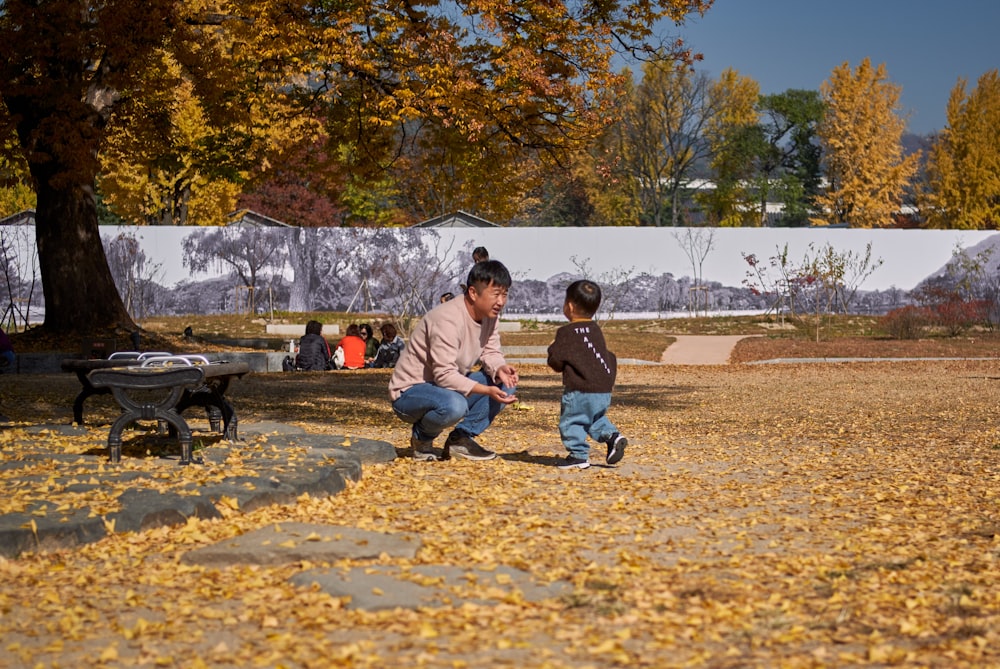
(371, 341)
(391, 347)
(589, 370)
(7, 356)
(314, 352)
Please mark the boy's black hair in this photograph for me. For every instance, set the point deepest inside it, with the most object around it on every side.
(484, 273)
(314, 327)
(480, 254)
(585, 296)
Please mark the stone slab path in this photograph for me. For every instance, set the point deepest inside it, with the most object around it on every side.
(285, 543)
(380, 587)
(372, 587)
(294, 463)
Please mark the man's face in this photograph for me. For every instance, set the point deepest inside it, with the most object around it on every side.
(486, 302)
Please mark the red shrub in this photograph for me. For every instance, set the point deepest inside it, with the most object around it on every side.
(907, 322)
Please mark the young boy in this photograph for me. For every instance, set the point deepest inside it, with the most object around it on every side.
(588, 370)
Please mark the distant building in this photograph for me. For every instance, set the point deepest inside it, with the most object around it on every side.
(26, 217)
(247, 218)
(459, 219)
(244, 218)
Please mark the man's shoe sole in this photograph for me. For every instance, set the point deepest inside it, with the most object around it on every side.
(575, 465)
(426, 457)
(469, 456)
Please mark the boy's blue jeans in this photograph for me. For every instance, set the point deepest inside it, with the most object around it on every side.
(431, 409)
(582, 414)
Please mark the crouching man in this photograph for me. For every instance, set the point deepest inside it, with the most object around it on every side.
(433, 386)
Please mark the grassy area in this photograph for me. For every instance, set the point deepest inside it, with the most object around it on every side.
(236, 325)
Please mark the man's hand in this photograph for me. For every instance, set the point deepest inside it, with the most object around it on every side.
(507, 375)
(500, 396)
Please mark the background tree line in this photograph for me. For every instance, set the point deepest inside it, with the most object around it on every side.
(678, 148)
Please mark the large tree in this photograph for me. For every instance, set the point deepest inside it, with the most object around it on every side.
(735, 143)
(861, 133)
(63, 63)
(664, 136)
(963, 168)
(790, 164)
(503, 73)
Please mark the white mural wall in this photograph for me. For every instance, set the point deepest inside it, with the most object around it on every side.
(534, 256)
(539, 253)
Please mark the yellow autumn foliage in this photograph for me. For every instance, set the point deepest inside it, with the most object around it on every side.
(963, 165)
(734, 199)
(861, 134)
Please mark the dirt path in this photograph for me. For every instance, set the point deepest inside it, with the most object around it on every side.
(701, 349)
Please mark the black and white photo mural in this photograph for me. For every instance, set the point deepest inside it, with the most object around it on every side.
(648, 272)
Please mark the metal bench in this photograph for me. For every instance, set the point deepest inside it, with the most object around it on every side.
(84, 367)
(182, 382)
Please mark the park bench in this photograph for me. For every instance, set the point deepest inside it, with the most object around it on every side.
(170, 384)
(84, 367)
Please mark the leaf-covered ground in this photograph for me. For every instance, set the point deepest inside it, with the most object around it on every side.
(786, 515)
(977, 345)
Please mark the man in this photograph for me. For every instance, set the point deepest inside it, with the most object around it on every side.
(433, 386)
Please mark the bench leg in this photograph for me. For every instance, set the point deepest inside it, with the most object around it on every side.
(184, 435)
(87, 391)
(214, 418)
(231, 431)
(211, 397)
(162, 413)
(115, 438)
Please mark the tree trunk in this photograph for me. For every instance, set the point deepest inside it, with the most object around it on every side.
(299, 294)
(302, 246)
(80, 293)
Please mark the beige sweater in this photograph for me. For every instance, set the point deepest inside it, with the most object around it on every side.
(443, 348)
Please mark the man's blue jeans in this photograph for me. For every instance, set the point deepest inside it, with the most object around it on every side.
(582, 414)
(432, 409)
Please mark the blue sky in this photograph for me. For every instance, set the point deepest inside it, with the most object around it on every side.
(926, 46)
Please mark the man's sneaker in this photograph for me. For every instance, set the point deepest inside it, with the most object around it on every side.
(424, 450)
(569, 462)
(466, 447)
(616, 448)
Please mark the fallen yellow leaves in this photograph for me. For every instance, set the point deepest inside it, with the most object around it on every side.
(862, 531)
